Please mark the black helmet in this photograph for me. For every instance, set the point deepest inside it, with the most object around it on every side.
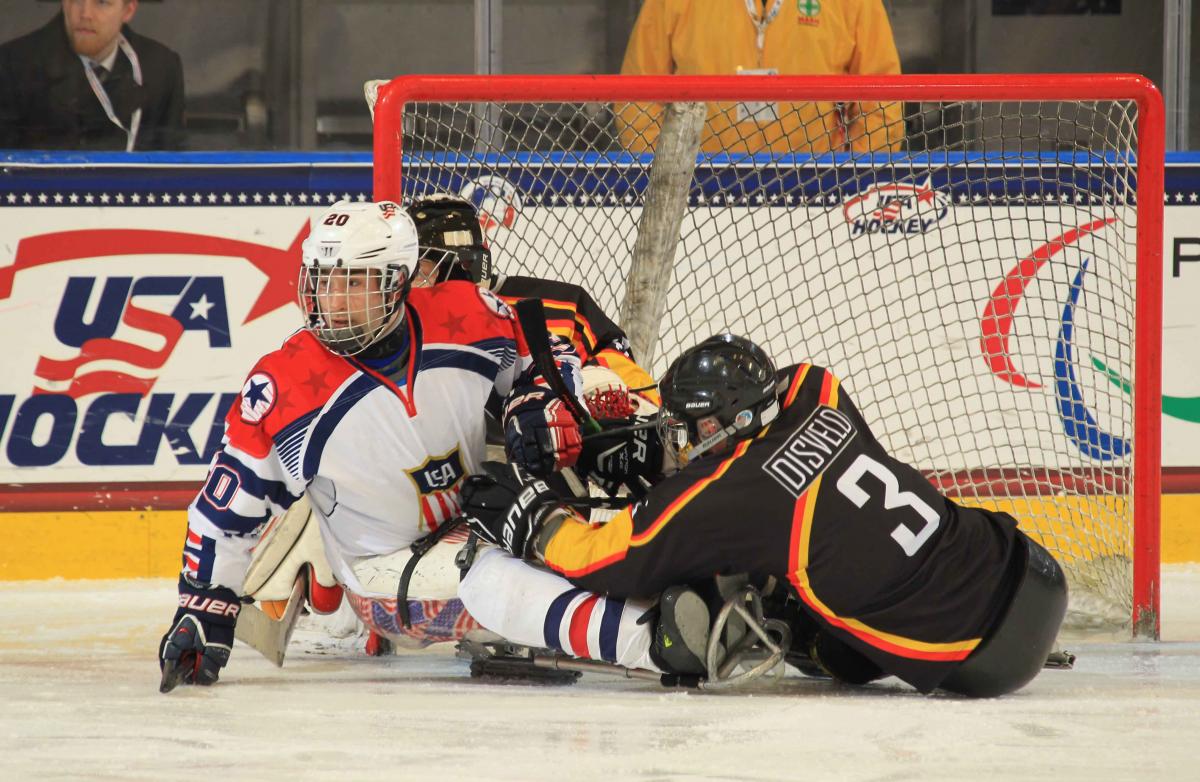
(450, 236)
(724, 387)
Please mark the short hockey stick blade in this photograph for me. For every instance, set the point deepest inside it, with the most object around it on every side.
(267, 636)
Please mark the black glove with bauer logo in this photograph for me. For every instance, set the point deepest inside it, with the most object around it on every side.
(200, 640)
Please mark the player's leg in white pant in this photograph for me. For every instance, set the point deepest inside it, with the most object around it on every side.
(534, 607)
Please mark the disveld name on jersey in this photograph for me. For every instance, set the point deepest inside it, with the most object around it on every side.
(810, 450)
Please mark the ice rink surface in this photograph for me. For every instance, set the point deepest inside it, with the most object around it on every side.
(79, 695)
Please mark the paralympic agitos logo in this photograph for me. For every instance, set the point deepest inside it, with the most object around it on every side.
(112, 335)
(1079, 423)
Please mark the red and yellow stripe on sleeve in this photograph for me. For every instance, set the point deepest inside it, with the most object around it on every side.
(630, 373)
(562, 320)
(672, 510)
(798, 569)
(579, 548)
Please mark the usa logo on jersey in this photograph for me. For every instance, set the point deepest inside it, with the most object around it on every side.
(438, 480)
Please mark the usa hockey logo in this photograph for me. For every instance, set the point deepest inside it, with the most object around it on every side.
(496, 199)
(118, 321)
(896, 208)
(95, 373)
(438, 481)
(258, 397)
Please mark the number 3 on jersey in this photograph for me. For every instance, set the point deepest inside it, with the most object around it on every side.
(892, 498)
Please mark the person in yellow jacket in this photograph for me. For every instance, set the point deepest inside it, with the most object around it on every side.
(767, 37)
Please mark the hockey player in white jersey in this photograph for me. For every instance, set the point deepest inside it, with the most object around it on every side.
(375, 410)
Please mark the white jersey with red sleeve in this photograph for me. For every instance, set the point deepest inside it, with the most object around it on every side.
(382, 459)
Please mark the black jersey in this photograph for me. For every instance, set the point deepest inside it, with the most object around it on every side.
(874, 551)
(574, 315)
(570, 312)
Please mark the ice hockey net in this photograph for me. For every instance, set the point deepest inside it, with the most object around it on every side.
(978, 258)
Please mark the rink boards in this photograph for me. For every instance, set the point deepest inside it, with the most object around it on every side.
(144, 293)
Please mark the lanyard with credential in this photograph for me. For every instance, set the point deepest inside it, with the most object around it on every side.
(760, 25)
(106, 102)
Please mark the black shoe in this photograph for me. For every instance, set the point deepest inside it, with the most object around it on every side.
(681, 634)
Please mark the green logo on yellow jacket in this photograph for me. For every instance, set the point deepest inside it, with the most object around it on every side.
(808, 7)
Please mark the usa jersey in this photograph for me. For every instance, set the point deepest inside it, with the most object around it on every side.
(382, 461)
(877, 555)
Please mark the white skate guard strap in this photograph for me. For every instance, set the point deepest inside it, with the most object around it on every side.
(435, 576)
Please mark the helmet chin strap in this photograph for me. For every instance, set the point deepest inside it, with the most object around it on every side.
(742, 420)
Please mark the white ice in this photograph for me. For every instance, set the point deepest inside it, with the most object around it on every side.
(79, 700)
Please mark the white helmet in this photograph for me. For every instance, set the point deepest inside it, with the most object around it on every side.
(356, 265)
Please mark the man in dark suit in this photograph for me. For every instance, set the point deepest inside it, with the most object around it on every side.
(87, 81)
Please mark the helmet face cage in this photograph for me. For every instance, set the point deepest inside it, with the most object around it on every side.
(474, 264)
(685, 440)
(434, 265)
(674, 435)
(350, 309)
(355, 271)
(441, 264)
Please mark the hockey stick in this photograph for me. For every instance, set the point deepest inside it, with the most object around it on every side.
(532, 317)
(269, 636)
(616, 430)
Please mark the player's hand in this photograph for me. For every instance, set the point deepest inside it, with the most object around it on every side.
(610, 460)
(540, 433)
(506, 506)
(198, 644)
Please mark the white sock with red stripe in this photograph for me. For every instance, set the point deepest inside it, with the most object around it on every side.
(534, 607)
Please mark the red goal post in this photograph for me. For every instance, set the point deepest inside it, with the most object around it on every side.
(469, 127)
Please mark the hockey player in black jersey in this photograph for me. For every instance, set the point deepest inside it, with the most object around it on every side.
(780, 478)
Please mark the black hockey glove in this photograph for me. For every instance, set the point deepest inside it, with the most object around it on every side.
(506, 506)
(198, 644)
(623, 457)
(540, 433)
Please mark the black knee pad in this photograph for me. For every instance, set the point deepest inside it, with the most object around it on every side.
(1017, 648)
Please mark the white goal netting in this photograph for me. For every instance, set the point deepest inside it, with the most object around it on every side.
(968, 268)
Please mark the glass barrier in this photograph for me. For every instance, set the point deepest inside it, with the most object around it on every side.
(289, 74)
